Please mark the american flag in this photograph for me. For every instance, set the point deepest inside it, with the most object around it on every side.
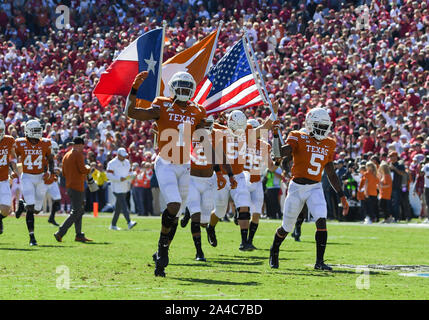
(229, 84)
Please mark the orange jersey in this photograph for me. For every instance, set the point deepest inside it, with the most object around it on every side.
(385, 187)
(310, 155)
(175, 128)
(235, 148)
(257, 154)
(34, 157)
(371, 183)
(202, 156)
(6, 146)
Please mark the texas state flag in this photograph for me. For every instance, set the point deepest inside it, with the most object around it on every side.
(145, 53)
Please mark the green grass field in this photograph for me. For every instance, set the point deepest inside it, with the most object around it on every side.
(118, 265)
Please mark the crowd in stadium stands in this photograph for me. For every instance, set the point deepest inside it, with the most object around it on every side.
(369, 68)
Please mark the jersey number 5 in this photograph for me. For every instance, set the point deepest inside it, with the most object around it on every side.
(315, 164)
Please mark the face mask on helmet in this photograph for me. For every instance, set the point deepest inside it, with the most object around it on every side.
(33, 130)
(318, 124)
(182, 86)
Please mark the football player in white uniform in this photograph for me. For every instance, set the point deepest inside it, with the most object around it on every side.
(203, 181)
(236, 136)
(177, 117)
(311, 153)
(258, 157)
(37, 165)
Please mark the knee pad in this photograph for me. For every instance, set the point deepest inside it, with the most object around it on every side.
(167, 219)
(195, 227)
(244, 215)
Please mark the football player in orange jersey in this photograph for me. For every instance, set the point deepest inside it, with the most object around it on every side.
(258, 156)
(204, 163)
(7, 159)
(235, 137)
(176, 117)
(311, 151)
(35, 155)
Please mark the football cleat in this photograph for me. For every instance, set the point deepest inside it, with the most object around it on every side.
(296, 235)
(159, 272)
(33, 241)
(21, 208)
(274, 258)
(322, 266)
(185, 219)
(211, 235)
(52, 221)
(200, 257)
(114, 228)
(245, 247)
(251, 246)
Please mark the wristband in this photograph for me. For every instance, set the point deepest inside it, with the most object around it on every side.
(230, 174)
(133, 91)
(216, 168)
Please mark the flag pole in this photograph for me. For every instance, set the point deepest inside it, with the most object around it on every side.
(213, 48)
(158, 85)
(258, 77)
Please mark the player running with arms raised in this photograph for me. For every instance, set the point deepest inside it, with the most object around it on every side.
(176, 117)
(311, 153)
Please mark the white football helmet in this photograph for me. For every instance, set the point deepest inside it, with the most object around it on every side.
(182, 86)
(33, 129)
(237, 122)
(54, 147)
(2, 129)
(318, 123)
(254, 123)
